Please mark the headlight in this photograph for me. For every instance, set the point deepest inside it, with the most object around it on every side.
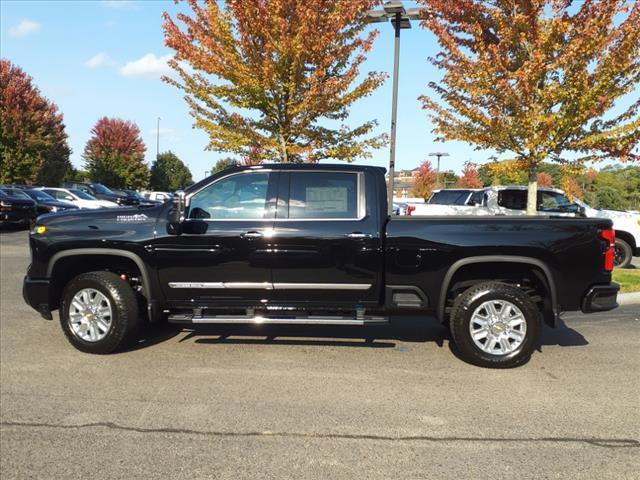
(53, 209)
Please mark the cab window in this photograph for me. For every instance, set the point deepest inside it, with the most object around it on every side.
(240, 196)
(323, 195)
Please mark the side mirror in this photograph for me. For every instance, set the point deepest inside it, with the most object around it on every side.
(582, 212)
(176, 213)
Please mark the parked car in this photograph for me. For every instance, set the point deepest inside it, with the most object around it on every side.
(157, 196)
(137, 198)
(15, 207)
(45, 203)
(512, 200)
(313, 244)
(100, 192)
(78, 197)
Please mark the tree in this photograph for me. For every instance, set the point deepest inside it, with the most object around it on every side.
(609, 198)
(270, 78)
(169, 173)
(537, 78)
(424, 181)
(33, 141)
(114, 155)
(224, 163)
(544, 180)
(470, 177)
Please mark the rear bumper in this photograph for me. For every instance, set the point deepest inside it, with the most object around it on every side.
(600, 298)
(35, 292)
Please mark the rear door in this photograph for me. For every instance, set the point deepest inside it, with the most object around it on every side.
(326, 241)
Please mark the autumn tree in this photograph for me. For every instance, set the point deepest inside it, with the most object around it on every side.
(273, 79)
(470, 177)
(114, 155)
(544, 180)
(169, 173)
(537, 78)
(224, 163)
(425, 181)
(33, 141)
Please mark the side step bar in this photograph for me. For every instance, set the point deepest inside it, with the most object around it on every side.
(274, 320)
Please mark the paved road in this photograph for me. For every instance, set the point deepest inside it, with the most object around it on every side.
(320, 403)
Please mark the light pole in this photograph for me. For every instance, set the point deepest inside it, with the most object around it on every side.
(158, 139)
(438, 154)
(400, 18)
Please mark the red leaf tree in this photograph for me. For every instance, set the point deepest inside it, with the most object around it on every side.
(33, 141)
(545, 180)
(114, 155)
(470, 177)
(425, 181)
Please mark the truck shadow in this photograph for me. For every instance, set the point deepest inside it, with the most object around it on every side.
(401, 330)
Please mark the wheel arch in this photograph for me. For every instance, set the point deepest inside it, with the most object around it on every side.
(500, 259)
(627, 237)
(126, 258)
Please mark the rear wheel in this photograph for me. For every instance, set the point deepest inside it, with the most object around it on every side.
(495, 325)
(622, 254)
(99, 312)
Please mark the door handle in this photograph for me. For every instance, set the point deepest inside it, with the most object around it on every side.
(251, 234)
(358, 235)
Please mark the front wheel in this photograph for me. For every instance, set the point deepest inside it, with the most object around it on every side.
(622, 254)
(495, 325)
(99, 312)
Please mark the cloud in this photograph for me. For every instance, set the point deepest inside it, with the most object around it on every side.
(119, 4)
(99, 60)
(148, 66)
(25, 28)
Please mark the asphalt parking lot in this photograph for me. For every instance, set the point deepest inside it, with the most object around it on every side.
(387, 402)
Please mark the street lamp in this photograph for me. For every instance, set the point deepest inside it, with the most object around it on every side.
(158, 139)
(400, 19)
(438, 154)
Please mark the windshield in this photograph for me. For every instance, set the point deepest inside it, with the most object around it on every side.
(39, 195)
(15, 193)
(450, 197)
(101, 189)
(82, 195)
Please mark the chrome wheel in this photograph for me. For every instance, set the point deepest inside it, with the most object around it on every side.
(498, 327)
(90, 315)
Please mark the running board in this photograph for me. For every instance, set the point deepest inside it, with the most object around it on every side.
(273, 320)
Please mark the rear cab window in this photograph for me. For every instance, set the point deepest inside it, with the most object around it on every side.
(325, 195)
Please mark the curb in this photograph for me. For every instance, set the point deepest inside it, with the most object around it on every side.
(628, 298)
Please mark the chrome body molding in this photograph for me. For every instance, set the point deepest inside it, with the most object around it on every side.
(272, 286)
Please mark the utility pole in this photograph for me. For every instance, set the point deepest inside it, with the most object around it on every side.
(439, 155)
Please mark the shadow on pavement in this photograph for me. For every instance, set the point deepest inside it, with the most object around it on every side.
(401, 329)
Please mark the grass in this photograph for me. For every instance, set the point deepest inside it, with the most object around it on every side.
(629, 280)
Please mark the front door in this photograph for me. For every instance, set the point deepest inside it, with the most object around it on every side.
(326, 241)
(222, 257)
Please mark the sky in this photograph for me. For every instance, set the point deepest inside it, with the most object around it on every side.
(96, 58)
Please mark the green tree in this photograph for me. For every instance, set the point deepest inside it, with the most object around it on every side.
(114, 155)
(609, 198)
(273, 78)
(224, 163)
(33, 141)
(169, 173)
(537, 78)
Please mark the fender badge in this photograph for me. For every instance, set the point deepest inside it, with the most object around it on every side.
(137, 218)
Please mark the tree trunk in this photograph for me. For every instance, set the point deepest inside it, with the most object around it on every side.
(532, 193)
(283, 148)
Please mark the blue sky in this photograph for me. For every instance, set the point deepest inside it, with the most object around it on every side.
(97, 58)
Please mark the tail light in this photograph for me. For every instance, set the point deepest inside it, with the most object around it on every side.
(410, 209)
(608, 247)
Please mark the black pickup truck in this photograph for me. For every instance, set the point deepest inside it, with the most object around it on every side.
(303, 244)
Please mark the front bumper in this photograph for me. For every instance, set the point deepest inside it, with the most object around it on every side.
(35, 292)
(601, 298)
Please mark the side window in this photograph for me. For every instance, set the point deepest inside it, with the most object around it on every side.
(476, 198)
(323, 195)
(513, 199)
(241, 196)
(552, 201)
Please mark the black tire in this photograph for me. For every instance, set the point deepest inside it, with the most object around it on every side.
(124, 319)
(622, 254)
(461, 316)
